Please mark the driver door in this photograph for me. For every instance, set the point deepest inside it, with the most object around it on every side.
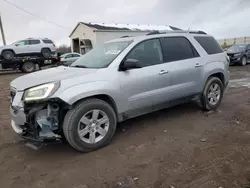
(143, 87)
(21, 47)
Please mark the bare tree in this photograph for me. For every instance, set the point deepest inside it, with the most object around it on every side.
(62, 49)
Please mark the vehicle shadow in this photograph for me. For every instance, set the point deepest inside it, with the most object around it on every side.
(152, 119)
(124, 130)
(9, 72)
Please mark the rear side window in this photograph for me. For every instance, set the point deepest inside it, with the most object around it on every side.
(33, 42)
(68, 56)
(209, 44)
(22, 43)
(75, 55)
(177, 48)
(48, 41)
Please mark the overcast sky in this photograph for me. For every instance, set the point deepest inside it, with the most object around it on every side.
(221, 18)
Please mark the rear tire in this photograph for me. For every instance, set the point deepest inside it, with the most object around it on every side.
(46, 53)
(28, 67)
(212, 94)
(8, 55)
(243, 61)
(80, 120)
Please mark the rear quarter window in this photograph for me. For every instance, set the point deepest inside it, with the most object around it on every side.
(209, 44)
(48, 42)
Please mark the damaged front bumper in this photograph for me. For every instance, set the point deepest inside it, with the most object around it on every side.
(36, 121)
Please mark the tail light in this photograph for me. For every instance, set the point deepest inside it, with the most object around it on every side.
(228, 61)
(58, 59)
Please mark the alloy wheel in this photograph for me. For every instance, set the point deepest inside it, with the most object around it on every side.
(214, 94)
(93, 126)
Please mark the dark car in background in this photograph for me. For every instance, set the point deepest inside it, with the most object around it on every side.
(239, 54)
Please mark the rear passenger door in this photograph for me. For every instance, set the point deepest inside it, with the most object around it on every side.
(34, 46)
(184, 66)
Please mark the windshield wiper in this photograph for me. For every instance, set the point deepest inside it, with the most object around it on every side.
(80, 66)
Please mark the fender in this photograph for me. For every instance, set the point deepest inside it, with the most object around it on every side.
(213, 68)
(84, 90)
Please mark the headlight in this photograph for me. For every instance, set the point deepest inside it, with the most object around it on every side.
(238, 54)
(41, 92)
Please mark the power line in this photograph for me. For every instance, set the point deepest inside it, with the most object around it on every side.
(2, 31)
(33, 14)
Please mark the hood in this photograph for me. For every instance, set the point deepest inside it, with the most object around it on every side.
(48, 75)
(234, 51)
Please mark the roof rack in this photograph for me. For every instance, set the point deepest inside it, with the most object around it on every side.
(125, 36)
(155, 33)
(177, 31)
(198, 32)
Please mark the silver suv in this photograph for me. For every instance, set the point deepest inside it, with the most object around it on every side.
(28, 46)
(121, 79)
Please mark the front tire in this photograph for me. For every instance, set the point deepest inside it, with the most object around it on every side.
(8, 55)
(90, 125)
(243, 61)
(212, 94)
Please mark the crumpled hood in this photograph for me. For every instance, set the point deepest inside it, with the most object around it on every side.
(48, 75)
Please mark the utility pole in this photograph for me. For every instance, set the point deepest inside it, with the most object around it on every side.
(1, 28)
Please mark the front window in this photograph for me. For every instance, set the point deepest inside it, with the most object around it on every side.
(22, 43)
(237, 47)
(148, 53)
(101, 56)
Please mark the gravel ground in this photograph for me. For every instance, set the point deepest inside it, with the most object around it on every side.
(180, 147)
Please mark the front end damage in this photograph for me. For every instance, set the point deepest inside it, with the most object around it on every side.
(43, 121)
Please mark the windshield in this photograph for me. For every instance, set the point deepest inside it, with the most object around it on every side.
(237, 47)
(101, 56)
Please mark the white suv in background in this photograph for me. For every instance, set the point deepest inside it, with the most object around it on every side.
(30, 46)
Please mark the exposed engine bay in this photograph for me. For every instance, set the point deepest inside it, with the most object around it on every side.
(47, 119)
(43, 121)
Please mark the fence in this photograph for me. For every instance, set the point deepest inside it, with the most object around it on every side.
(230, 41)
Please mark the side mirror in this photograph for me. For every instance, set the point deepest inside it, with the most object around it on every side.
(130, 64)
(16, 44)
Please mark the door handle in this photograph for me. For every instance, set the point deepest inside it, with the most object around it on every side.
(198, 65)
(163, 72)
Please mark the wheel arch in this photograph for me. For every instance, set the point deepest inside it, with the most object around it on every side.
(45, 48)
(219, 75)
(8, 49)
(104, 97)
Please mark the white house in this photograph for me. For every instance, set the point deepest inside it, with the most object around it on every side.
(85, 36)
